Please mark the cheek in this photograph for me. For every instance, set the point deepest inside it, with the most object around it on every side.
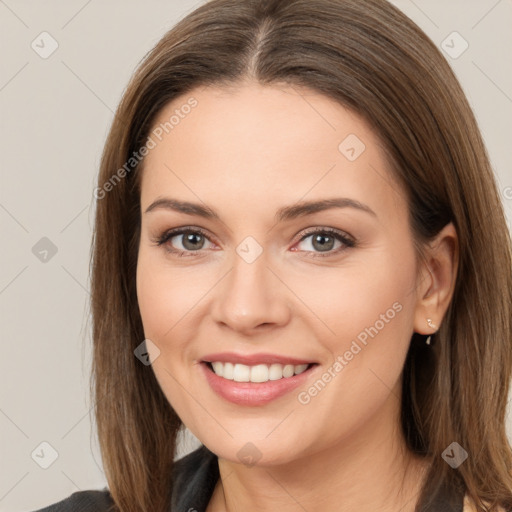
(164, 297)
(151, 299)
(159, 305)
(352, 298)
(171, 298)
(367, 318)
(367, 313)
(165, 294)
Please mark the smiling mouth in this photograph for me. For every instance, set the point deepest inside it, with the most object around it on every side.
(258, 373)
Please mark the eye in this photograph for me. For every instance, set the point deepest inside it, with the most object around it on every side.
(182, 241)
(186, 241)
(324, 240)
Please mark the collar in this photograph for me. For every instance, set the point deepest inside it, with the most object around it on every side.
(196, 474)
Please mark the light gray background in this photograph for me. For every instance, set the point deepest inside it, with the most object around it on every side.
(55, 114)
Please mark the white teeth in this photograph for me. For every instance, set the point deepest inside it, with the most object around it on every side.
(228, 370)
(241, 373)
(300, 368)
(275, 372)
(288, 370)
(218, 368)
(257, 373)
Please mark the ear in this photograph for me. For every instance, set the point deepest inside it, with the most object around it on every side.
(436, 280)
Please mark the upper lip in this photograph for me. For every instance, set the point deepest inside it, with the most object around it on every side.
(253, 359)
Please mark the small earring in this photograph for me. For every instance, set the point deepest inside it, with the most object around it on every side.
(432, 326)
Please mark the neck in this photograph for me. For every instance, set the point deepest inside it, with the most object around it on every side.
(368, 470)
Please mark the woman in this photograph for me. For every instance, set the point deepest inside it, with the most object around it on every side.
(301, 255)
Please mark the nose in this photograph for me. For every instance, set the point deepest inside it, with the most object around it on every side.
(251, 298)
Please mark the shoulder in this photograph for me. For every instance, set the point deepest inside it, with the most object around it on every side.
(194, 479)
(200, 464)
(469, 505)
(195, 476)
(83, 501)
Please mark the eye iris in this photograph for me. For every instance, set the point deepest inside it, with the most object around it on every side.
(324, 246)
(321, 241)
(190, 238)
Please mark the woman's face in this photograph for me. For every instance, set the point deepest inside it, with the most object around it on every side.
(262, 277)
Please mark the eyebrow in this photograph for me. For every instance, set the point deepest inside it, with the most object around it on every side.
(283, 214)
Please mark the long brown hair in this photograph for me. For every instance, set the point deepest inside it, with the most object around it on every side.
(371, 58)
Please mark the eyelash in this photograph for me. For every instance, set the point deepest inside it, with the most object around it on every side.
(335, 233)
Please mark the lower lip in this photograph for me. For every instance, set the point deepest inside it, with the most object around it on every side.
(253, 393)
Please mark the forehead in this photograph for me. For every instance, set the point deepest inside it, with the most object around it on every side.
(265, 143)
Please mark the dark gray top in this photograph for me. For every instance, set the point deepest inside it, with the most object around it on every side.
(195, 477)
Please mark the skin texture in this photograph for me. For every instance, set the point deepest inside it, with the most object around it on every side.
(245, 152)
